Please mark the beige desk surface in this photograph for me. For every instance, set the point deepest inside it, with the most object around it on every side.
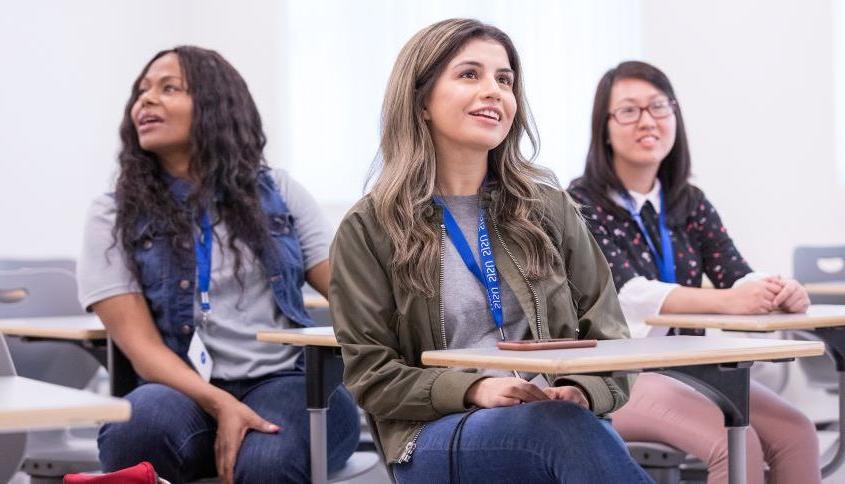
(818, 316)
(30, 405)
(86, 327)
(633, 354)
(320, 336)
(314, 301)
(836, 288)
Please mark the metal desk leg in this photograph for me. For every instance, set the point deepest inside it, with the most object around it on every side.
(727, 386)
(737, 445)
(323, 373)
(834, 339)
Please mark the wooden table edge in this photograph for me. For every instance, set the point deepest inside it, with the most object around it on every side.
(44, 418)
(750, 326)
(55, 333)
(825, 288)
(600, 364)
(297, 339)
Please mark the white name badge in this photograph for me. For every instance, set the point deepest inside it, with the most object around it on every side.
(198, 354)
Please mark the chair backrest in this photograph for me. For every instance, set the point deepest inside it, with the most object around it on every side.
(7, 367)
(819, 264)
(12, 446)
(43, 291)
(38, 291)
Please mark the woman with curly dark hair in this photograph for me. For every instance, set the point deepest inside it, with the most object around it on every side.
(200, 246)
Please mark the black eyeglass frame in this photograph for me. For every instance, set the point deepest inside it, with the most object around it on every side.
(671, 102)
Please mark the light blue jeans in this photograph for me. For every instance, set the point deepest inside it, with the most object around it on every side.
(172, 432)
(539, 442)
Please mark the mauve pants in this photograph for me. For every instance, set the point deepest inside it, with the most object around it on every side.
(662, 409)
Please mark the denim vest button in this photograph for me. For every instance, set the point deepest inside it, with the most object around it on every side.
(186, 329)
(185, 284)
(148, 244)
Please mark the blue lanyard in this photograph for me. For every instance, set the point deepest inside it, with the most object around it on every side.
(666, 261)
(487, 274)
(202, 250)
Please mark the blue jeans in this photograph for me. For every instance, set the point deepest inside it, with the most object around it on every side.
(172, 432)
(550, 441)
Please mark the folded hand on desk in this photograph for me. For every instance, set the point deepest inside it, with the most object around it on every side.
(792, 298)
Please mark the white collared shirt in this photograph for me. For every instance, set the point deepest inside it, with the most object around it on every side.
(639, 297)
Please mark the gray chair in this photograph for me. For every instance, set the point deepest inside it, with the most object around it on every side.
(12, 446)
(38, 290)
(819, 264)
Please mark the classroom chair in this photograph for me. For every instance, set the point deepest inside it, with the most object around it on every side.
(819, 264)
(40, 290)
(12, 446)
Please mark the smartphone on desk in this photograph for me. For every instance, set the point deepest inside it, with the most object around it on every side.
(546, 344)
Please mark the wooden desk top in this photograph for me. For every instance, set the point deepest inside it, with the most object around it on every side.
(30, 405)
(319, 336)
(85, 327)
(315, 301)
(633, 354)
(818, 316)
(836, 288)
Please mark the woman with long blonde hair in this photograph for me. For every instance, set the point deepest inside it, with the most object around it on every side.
(463, 242)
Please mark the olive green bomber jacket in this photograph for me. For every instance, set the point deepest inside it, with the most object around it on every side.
(383, 329)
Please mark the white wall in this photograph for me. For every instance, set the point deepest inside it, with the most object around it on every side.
(66, 76)
(755, 80)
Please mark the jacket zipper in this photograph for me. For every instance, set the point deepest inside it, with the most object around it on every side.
(410, 446)
(519, 268)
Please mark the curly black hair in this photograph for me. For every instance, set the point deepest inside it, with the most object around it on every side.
(226, 155)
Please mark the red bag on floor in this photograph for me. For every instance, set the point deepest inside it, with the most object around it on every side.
(142, 473)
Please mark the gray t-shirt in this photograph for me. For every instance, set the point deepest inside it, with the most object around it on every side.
(236, 316)
(469, 323)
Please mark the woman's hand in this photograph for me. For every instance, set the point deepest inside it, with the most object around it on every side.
(792, 298)
(503, 392)
(234, 419)
(754, 297)
(568, 393)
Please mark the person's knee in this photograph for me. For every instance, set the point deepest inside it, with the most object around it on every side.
(345, 425)
(717, 461)
(155, 416)
(263, 462)
(557, 420)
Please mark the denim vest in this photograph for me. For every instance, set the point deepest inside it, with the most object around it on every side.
(168, 276)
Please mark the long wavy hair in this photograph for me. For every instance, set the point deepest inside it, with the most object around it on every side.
(674, 171)
(402, 192)
(226, 155)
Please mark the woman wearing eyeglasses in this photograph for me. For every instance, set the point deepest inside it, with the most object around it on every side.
(660, 235)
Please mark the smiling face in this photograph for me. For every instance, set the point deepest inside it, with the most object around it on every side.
(162, 112)
(644, 143)
(472, 105)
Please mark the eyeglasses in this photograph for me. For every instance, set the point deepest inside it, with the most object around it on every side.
(632, 114)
